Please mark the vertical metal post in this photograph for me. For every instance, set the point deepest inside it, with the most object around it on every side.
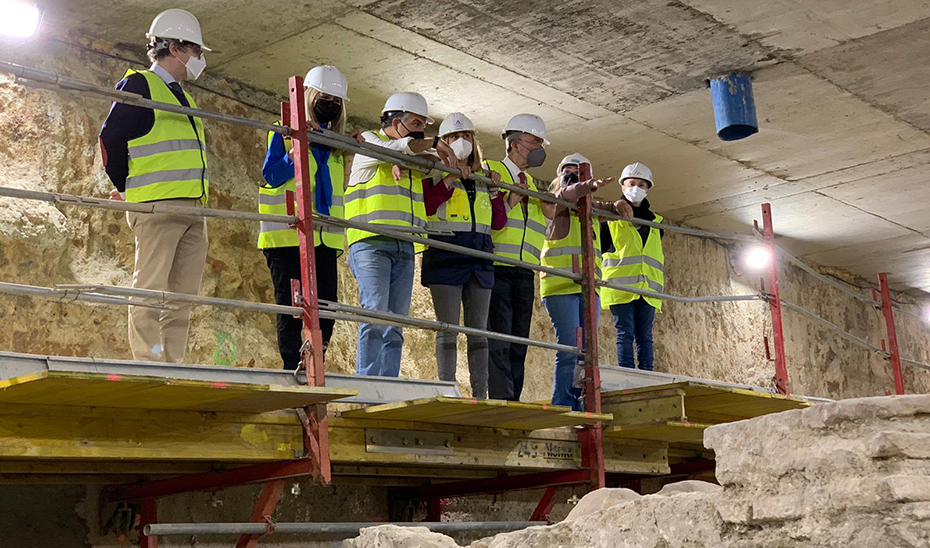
(434, 508)
(591, 437)
(892, 334)
(316, 425)
(148, 515)
(263, 510)
(778, 337)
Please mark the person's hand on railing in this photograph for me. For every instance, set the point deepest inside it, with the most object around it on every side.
(447, 155)
(624, 209)
(115, 195)
(493, 191)
(357, 135)
(465, 169)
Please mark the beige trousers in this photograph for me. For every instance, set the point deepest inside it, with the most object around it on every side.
(171, 251)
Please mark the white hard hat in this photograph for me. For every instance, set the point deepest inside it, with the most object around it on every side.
(407, 101)
(638, 171)
(575, 159)
(328, 79)
(455, 122)
(527, 123)
(178, 24)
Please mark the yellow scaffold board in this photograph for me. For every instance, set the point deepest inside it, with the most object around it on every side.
(667, 431)
(679, 412)
(473, 412)
(142, 392)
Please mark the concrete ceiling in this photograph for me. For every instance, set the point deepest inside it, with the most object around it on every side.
(841, 89)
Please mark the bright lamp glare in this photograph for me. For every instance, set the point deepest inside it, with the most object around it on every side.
(19, 19)
(758, 258)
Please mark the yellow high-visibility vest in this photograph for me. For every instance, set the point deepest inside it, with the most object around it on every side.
(565, 253)
(383, 201)
(170, 161)
(633, 264)
(273, 200)
(454, 215)
(523, 236)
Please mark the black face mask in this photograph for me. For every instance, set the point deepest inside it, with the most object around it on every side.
(413, 134)
(325, 111)
(569, 178)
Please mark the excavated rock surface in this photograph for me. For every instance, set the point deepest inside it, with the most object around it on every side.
(849, 474)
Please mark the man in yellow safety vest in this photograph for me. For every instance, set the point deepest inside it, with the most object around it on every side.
(153, 155)
(379, 193)
(633, 257)
(521, 238)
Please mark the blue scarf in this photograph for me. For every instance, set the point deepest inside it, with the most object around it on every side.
(323, 198)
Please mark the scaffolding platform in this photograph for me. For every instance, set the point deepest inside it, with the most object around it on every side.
(679, 412)
(120, 421)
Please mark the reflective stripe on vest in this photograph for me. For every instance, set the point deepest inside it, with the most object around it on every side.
(273, 200)
(382, 200)
(523, 236)
(565, 253)
(170, 161)
(455, 214)
(633, 264)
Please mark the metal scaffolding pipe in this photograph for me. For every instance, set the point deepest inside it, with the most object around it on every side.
(915, 364)
(146, 207)
(676, 298)
(325, 137)
(65, 295)
(349, 529)
(807, 313)
(328, 309)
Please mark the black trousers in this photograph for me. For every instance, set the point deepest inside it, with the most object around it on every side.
(511, 312)
(284, 263)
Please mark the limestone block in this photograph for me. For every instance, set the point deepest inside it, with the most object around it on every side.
(777, 508)
(905, 489)
(899, 444)
(689, 486)
(393, 536)
(861, 409)
(601, 499)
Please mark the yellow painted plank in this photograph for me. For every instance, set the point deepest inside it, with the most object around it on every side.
(199, 437)
(99, 390)
(471, 412)
(667, 431)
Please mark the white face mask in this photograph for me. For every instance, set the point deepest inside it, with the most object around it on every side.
(195, 66)
(635, 194)
(461, 147)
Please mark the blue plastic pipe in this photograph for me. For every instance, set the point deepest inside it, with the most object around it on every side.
(734, 107)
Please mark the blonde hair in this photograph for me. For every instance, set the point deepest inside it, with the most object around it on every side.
(338, 125)
(476, 153)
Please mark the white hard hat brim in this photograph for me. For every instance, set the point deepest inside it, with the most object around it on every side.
(339, 95)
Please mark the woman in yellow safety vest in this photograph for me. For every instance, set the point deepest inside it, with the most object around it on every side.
(325, 106)
(633, 257)
(562, 249)
(469, 211)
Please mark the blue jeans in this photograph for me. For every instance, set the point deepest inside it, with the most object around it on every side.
(634, 321)
(383, 268)
(567, 315)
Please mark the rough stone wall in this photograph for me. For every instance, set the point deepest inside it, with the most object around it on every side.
(49, 143)
(854, 473)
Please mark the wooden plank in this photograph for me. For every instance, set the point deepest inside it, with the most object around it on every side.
(668, 431)
(470, 412)
(121, 391)
(166, 436)
(670, 406)
(479, 448)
